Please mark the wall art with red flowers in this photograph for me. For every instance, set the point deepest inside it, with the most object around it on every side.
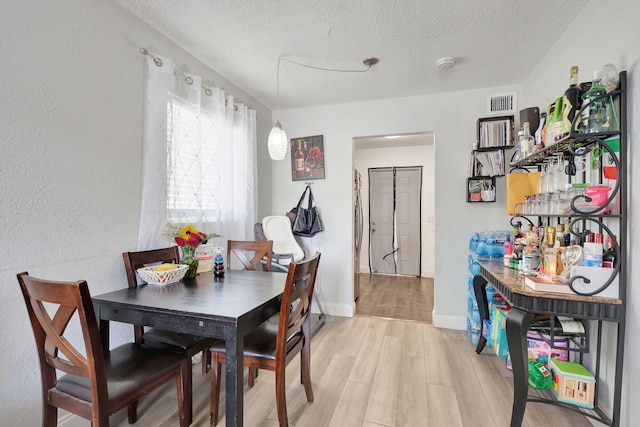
(307, 158)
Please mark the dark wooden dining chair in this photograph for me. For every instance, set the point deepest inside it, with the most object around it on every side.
(95, 384)
(272, 346)
(188, 344)
(260, 252)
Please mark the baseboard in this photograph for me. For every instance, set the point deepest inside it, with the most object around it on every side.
(428, 274)
(337, 309)
(449, 322)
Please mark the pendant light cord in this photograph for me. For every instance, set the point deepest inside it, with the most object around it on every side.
(278, 86)
(369, 62)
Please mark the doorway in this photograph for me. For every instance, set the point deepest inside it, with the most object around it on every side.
(395, 195)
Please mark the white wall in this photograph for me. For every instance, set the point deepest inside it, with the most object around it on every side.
(614, 41)
(70, 130)
(452, 118)
(422, 155)
(604, 31)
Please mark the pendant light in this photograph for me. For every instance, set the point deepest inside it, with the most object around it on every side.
(278, 142)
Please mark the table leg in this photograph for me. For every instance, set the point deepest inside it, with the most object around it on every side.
(104, 335)
(517, 324)
(479, 288)
(233, 379)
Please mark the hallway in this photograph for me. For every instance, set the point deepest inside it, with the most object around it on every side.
(395, 297)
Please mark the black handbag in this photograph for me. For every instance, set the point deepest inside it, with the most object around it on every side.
(305, 221)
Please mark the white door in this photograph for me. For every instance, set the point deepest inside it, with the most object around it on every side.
(394, 220)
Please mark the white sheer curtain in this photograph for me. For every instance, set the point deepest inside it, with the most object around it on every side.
(198, 157)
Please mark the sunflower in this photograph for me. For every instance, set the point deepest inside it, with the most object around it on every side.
(186, 231)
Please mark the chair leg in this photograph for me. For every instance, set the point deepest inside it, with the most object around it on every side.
(215, 389)
(281, 397)
(206, 361)
(305, 370)
(183, 385)
(49, 415)
(132, 412)
(253, 374)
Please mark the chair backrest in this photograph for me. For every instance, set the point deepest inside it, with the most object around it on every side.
(262, 250)
(278, 229)
(294, 317)
(136, 260)
(54, 350)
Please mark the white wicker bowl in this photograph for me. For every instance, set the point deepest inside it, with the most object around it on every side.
(162, 277)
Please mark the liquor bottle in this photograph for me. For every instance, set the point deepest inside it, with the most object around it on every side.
(610, 258)
(527, 142)
(571, 102)
(559, 243)
(299, 161)
(558, 126)
(540, 132)
(567, 233)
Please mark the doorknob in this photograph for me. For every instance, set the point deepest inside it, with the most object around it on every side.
(373, 230)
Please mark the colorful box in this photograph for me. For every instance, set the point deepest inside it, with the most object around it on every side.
(572, 383)
(499, 331)
(486, 332)
(540, 350)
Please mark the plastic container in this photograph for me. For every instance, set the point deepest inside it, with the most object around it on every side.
(539, 376)
(598, 194)
(592, 254)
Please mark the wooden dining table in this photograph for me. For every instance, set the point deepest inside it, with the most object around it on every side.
(226, 308)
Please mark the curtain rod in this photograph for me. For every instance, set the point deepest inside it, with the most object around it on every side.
(187, 79)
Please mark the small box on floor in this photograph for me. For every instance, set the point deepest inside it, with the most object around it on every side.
(572, 383)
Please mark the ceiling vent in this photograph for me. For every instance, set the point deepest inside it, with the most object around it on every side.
(502, 103)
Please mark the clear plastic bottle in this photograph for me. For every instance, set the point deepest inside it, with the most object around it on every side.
(596, 116)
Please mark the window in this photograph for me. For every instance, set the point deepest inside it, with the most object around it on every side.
(193, 183)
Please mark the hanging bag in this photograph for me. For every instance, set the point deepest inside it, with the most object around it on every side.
(305, 221)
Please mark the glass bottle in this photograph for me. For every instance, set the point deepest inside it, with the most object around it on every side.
(567, 233)
(540, 133)
(610, 258)
(558, 127)
(571, 101)
(527, 142)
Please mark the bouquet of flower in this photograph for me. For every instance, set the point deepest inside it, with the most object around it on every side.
(188, 238)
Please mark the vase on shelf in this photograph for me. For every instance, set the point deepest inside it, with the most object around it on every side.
(189, 259)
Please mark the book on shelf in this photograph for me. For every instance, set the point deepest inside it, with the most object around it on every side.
(543, 284)
(496, 133)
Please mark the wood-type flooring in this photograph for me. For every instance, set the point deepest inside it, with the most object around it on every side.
(371, 372)
(395, 297)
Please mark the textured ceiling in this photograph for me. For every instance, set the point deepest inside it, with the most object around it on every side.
(495, 42)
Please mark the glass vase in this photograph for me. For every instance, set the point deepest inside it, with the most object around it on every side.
(189, 259)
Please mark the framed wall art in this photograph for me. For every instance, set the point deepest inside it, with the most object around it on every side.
(307, 158)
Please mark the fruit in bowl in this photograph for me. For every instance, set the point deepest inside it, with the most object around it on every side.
(165, 267)
(163, 274)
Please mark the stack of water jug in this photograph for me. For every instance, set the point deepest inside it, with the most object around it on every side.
(484, 246)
